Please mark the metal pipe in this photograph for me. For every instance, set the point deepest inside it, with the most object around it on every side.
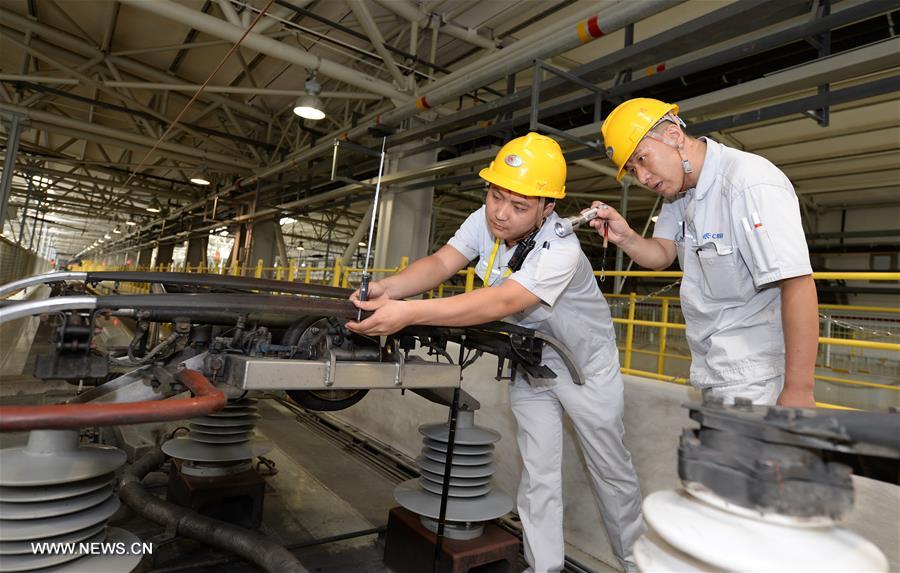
(118, 134)
(18, 23)
(216, 27)
(415, 14)
(511, 59)
(250, 545)
(618, 17)
(237, 90)
(47, 306)
(15, 286)
(207, 399)
(371, 28)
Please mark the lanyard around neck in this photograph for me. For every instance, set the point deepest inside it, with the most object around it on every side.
(490, 265)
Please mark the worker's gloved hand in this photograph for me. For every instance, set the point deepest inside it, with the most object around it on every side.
(376, 292)
(388, 316)
(618, 227)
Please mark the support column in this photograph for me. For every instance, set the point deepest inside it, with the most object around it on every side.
(164, 254)
(145, 257)
(196, 251)
(263, 245)
(9, 163)
(404, 217)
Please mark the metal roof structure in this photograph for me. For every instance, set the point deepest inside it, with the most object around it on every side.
(88, 88)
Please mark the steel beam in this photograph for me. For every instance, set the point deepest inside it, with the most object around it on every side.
(12, 148)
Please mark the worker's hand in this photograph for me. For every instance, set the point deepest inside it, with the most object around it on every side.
(388, 316)
(376, 292)
(619, 230)
(796, 398)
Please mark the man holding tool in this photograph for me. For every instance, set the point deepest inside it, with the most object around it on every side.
(541, 281)
(733, 220)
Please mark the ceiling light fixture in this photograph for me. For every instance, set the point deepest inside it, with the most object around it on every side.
(200, 177)
(154, 206)
(131, 222)
(310, 106)
(117, 230)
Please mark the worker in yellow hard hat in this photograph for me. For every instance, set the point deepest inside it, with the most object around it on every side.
(733, 221)
(544, 282)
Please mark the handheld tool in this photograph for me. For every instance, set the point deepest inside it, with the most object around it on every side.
(366, 277)
(566, 227)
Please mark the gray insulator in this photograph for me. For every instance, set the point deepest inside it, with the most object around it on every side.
(55, 490)
(223, 437)
(471, 501)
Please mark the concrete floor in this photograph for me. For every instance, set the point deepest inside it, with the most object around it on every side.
(319, 492)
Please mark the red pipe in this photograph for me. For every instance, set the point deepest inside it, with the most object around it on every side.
(206, 399)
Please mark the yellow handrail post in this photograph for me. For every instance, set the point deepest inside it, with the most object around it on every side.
(278, 270)
(404, 262)
(259, 269)
(336, 277)
(292, 270)
(308, 275)
(235, 269)
(470, 279)
(629, 330)
(345, 281)
(661, 361)
(440, 292)
(201, 268)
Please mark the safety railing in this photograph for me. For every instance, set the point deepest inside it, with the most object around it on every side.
(651, 328)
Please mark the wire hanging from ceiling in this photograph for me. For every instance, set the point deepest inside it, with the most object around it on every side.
(199, 91)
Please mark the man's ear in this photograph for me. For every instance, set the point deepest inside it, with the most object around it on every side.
(674, 133)
(548, 208)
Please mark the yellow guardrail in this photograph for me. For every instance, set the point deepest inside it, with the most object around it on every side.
(338, 275)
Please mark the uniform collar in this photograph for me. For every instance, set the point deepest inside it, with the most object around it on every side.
(709, 170)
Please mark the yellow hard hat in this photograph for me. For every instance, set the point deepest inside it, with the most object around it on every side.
(627, 125)
(530, 165)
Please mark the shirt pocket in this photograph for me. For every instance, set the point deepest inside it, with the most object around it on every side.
(723, 280)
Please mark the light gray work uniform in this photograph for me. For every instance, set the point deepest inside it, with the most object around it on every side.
(738, 234)
(572, 310)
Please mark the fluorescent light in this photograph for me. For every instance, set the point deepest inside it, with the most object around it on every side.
(199, 180)
(154, 206)
(106, 236)
(654, 218)
(287, 221)
(117, 230)
(131, 223)
(362, 243)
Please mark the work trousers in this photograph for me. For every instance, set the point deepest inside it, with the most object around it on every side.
(595, 409)
(762, 392)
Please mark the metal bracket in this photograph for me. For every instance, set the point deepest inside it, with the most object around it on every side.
(536, 125)
(362, 149)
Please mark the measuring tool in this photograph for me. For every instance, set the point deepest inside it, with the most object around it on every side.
(565, 227)
(366, 277)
